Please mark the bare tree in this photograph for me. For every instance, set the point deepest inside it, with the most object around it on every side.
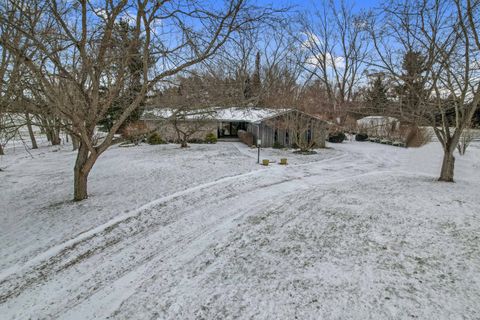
(282, 74)
(446, 34)
(9, 74)
(465, 140)
(257, 68)
(188, 123)
(73, 55)
(461, 79)
(337, 49)
(189, 105)
(8, 130)
(28, 121)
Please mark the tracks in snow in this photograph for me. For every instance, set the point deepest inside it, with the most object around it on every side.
(107, 263)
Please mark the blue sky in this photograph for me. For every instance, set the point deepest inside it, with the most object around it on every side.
(310, 4)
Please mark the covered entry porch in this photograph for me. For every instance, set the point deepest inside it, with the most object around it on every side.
(229, 129)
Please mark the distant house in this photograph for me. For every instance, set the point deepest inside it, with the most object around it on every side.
(271, 126)
(378, 126)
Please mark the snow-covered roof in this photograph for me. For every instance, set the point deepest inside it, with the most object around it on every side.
(168, 113)
(249, 114)
(375, 120)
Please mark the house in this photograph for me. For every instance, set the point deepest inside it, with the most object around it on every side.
(282, 127)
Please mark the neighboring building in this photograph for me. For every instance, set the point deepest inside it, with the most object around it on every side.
(378, 126)
(269, 125)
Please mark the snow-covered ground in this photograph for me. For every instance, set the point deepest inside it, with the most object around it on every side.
(357, 231)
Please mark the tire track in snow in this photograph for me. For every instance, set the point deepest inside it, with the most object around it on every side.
(80, 248)
(56, 258)
(112, 223)
(199, 239)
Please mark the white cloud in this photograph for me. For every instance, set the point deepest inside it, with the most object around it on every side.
(310, 43)
(337, 62)
(311, 40)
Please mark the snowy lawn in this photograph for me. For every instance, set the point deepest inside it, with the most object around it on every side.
(361, 230)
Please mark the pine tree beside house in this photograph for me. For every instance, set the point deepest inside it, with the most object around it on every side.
(256, 82)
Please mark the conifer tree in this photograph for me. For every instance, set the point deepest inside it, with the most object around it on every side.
(411, 92)
(376, 99)
(256, 82)
(133, 85)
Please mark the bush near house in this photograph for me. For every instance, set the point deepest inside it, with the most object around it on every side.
(336, 137)
(210, 138)
(361, 137)
(416, 137)
(196, 141)
(277, 145)
(135, 132)
(155, 138)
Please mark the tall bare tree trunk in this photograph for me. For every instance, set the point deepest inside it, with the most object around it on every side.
(55, 134)
(1, 151)
(45, 128)
(75, 143)
(83, 165)
(30, 131)
(52, 131)
(448, 165)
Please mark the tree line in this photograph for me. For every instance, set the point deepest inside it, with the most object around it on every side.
(73, 67)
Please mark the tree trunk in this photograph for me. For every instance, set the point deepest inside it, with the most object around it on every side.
(448, 166)
(45, 129)
(75, 143)
(52, 131)
(55, 137)
(1, 151)
(57, 131)
(184, 144)
(30, 131)
(48, 134)
(81, 170)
